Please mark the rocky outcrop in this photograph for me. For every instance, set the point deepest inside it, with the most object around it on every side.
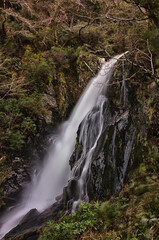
(18, 174)
(106, 139)
(30, 225)
(111, 159)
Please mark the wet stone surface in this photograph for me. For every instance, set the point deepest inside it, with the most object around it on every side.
(18, 175)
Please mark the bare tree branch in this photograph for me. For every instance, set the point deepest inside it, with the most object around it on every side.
(11, 85)
(151, 57)
(18, 17)
(125, 19)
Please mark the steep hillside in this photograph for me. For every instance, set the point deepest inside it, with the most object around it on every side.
(48, 52)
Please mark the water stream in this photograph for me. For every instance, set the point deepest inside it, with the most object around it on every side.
(49, 182)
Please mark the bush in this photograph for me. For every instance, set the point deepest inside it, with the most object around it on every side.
(20, 118)
(84, 219)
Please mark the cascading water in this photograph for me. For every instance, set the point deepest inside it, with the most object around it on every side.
(88, 149)
(93, 132)
(103, 151)
(48, 183)
(123, 97)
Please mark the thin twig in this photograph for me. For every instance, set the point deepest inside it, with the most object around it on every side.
(89, 68)
(125, 19)
(151, 57)
(9, 88)
(109, 17)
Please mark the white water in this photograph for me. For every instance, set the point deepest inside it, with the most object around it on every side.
(55, 173)
(87, 154)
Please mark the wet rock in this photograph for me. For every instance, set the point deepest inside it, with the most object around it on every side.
(30, 234)
(32, 221)
(18, 175)
(31, 214)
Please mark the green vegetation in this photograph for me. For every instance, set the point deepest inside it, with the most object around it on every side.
(133, 214)
(72, 226)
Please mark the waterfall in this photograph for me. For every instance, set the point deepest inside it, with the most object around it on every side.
(101, 123)
(48, 183)
(89, 146)
(123, 96)
(105, 142)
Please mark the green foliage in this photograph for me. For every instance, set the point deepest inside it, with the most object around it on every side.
(72, 226)
(153, 35)
(127, 216)
(36, 70)
(110, 212)
(18, 118)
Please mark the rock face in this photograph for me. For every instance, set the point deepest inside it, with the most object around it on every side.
(104, 148)
(32, 221)
(116, 156)
(18, 174)
(111, 158)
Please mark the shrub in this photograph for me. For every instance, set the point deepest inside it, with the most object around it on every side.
(72, 226)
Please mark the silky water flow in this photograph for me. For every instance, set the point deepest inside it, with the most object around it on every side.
(54, 175)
